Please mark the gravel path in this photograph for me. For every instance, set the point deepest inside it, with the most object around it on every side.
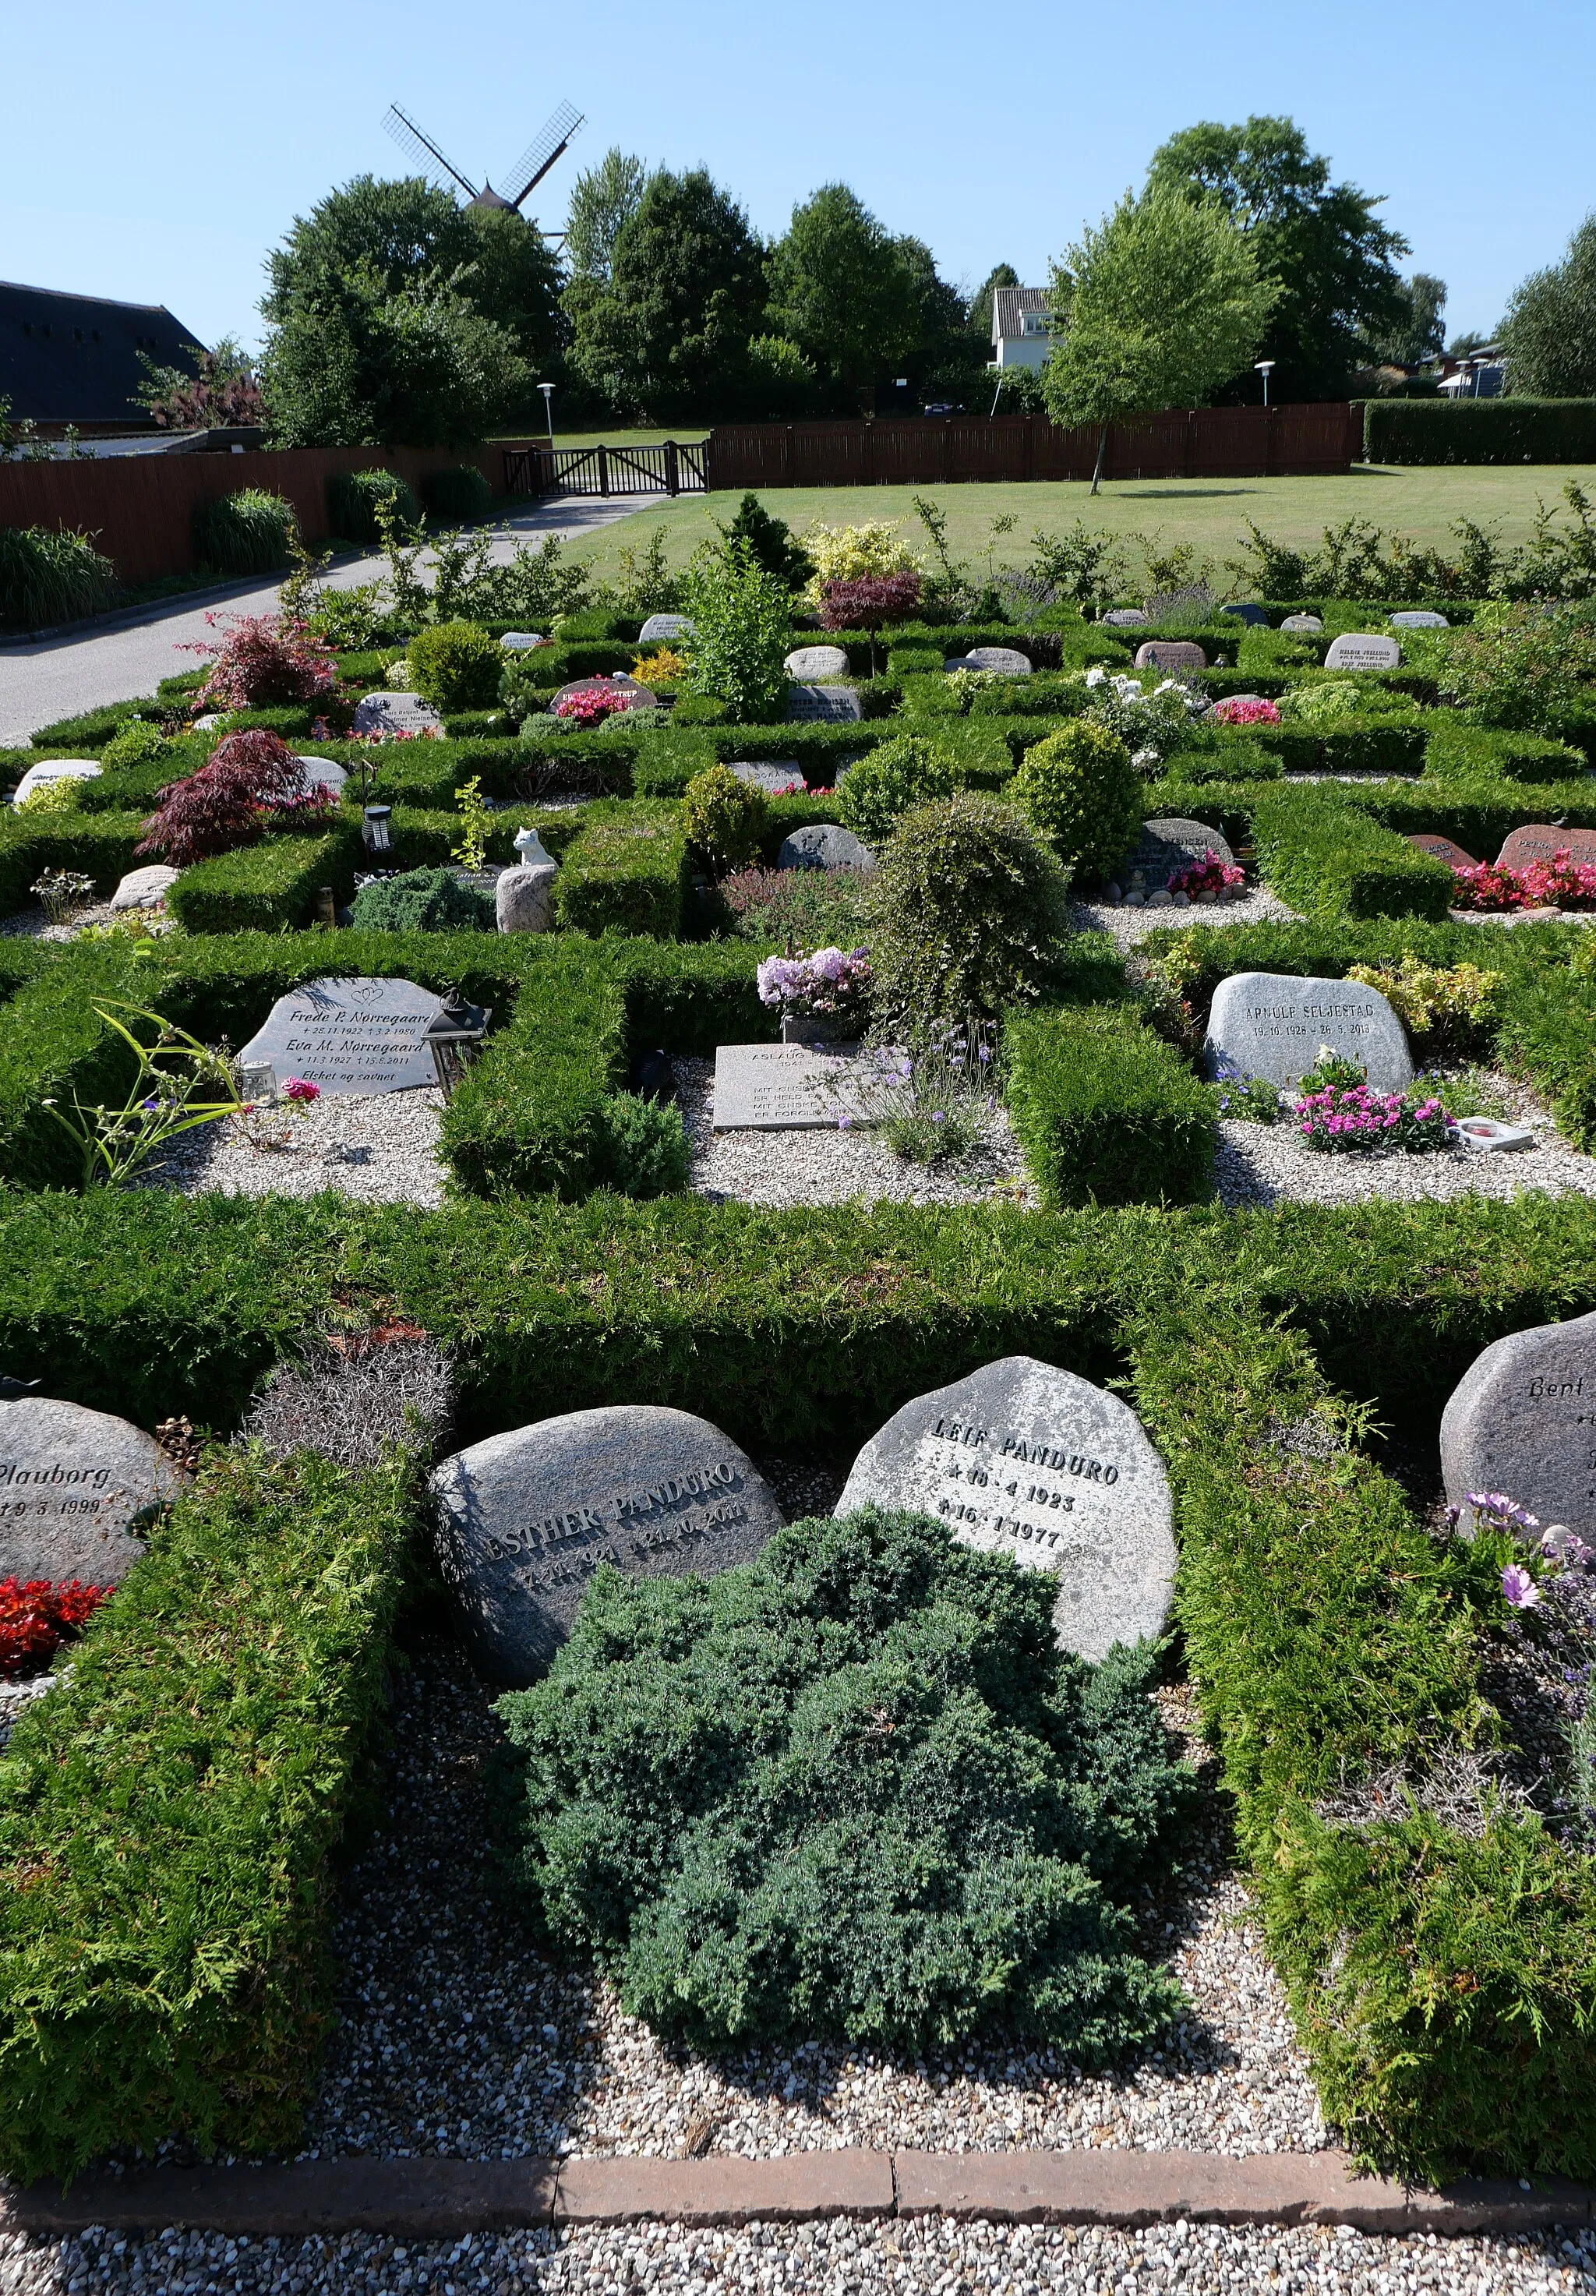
(381, 1150)
(835, 1167)
(1129, 926)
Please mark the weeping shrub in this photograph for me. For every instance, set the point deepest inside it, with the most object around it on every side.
(244, 533)
(48, 576)
(354, 497)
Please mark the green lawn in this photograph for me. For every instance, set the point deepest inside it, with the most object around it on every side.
(1211, 514)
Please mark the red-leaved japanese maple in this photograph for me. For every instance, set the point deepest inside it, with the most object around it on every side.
(248, 777)
(262, 661)
(869, 603)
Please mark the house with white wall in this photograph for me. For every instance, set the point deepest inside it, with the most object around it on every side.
(1020, 327)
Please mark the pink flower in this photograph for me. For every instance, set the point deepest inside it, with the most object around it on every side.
(1519, 1588)
(301, 1091)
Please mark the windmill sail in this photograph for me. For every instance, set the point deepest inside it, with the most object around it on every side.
(421, 148)
(542, 152)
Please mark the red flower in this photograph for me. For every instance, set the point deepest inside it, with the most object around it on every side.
(36, 1616)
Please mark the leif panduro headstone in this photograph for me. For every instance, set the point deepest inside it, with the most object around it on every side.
(1522, 1421)
(524, 1520)
(351, 1038)
(1023, 1460)
(1274, 1024)
(1362, 649)
(75, 1485)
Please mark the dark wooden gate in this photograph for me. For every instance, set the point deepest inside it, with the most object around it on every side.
(675, 468)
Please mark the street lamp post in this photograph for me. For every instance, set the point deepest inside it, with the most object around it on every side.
(1262, 367)
(547, 390)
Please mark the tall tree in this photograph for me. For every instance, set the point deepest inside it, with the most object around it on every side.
(853, 298)
(602, 198)
(1421, 335)
(667, 335)
(1331, 258)
(1550, 331)
(1155, 307)
(979, 315)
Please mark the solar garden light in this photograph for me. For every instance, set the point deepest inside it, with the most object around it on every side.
(1262, 366)
(376, 829)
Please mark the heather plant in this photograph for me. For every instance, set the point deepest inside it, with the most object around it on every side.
(1080, 792)
(261, 662)
(884, 783)
(799, 908)
(969, 912)
(248, 777)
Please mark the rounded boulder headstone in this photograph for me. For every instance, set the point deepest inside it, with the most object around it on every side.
(321, 773)
(1126, 617)
(1419, 619)
(817, 663)
(1252, 613)
(145, 888)
(1169, 843)
(1274, 1025)
(524, 898)
(1170, 653)
(1303, 624)
(521, 641)
(997, 662)
(525, 1518)
(824, 846)
(1023, 1460)
(1522, 1421)
(660, 628)
(1362, 649)
(75, 1485)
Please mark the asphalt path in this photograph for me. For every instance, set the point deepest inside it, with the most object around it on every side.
(126, 656)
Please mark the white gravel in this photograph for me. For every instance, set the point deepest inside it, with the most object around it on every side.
(1128, 926)
(14, 1696)
(832, 1167)
(1272, 1163)
(379, 1150)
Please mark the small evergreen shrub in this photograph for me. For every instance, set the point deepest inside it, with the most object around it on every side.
(423, 900)
(723, 818)
(642, 1147)
(455, 666)
(249, 532)
(890, 779)
(133, 744)
(50, 577)
(354, 498)
(1079, 791)
(851, 1790)
(457, 498)
(970, 914)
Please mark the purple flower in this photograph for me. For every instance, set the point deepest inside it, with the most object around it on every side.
(151, 1103)
(1519, 1588)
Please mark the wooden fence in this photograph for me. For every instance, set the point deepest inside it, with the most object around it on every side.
(1202, 442)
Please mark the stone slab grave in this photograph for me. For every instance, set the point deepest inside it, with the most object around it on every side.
(145, 888)
(815, 664)
(773, 777)
(387, 714)
(1023, 1460)
(321, 773)
(354, 1038)
(1362, 649)
(1126, 617)
(1419, 619)
(1170, 653)
(55, 769)
(1272, 1024)
(524, 1520)
(1522, 1420)
(795, 1087)
(997, 662)
(75, 1485)
(1303, 624)
(1543, 842)
(824, 846)
(1442, 849)
(821, 705)
(1252, 614)
(1167, 844)
(660, 628)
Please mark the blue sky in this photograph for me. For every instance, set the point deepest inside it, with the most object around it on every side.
(157, 156)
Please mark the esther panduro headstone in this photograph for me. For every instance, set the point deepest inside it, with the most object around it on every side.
(525, 1518)
(349, 1037)
(1273, 1025)
(1023, 1460)
(1522, 1421)
(74, 1484)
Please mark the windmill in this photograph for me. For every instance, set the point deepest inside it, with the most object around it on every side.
(528, 170)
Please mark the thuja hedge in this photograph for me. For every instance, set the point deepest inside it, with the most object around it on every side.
(1106, 1111)
(1479, 430)
(1328, 858)
(169, 1819)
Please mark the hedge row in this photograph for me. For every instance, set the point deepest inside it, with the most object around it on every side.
(1107, 1113)
(1479, 430)
(1323, 858)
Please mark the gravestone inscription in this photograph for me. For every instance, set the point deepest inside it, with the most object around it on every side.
(1171, 843)
(1272, 1025)
(521, 641)
(1538, 842)
(623, 692)
(75, 1485)
(1023, 1460)
(57, 769)
(660, 628)
(351, 1038)
(525, 1518)
(1419, 619)
(780, 777)
(1170, 653)
(1126, 617)
(1442, 849)
(795, 1087)
(1522, 1421)
(997, 662)
(321, 773)
(145, 888)
(387, 713)
(821, 705)
(824, 846)
(1362, 649)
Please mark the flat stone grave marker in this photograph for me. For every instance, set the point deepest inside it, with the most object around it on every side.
(659, 627)
(525, 1518)
(1169, 844)
(809, 664)
(773, 778)
(1193, 603)
(1522, 1420)
(1252, 614)
(1362, 649)
(74, 1487)
(1541, 841)
(821, 705)
(1272, 1024)
(1305, 625)
(56, 769)
(1023, 1460)
(824, 846)
(1170, 653)
(1419, 619)
(145, 888)
(521, 641)
(1126, 617)
(997, 662)
(354, 1038)
(795, 1087)
(1442, 848)
(387, 714)
(632, 695)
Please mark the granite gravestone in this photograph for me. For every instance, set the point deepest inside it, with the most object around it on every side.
(387, 714)
(1362, 649)
(1538, 842)
(521, 641)
(75, 1485)
(321, 773)
(1522, 1420)
(821, 705)
(824, 846)
(815, 664)
(795, 1088)
(1169, 844)
(782, 777)
(1252, 614)
(524, 898)
(1124, 617)
(659, 628)
(1170, 653)
(145, 888)
(351, 1038)
(1023, 1460)
(1442, 848)
(1419, 619)
(1303, 624)
(1274, 1024)
(56, 769)
(997, 662)
(524, 1520)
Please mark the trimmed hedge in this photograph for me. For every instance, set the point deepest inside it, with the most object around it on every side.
(1479, 430)
(1323, 858)
(625, 872)
(1454, 749)
(1107, 1113)
(169, 1819)
(97, 845)
(271, 886)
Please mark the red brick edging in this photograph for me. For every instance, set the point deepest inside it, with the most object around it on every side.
(441, 2198)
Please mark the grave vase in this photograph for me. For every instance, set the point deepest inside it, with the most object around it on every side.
(812, 1028)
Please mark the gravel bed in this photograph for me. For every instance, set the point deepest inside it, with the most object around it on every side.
(832, 1167)
(1270, 1163)
(15, 1696)
(458, 2036)
(33, 924)
(379, 1150)
(1128, 926)
(898, 2254)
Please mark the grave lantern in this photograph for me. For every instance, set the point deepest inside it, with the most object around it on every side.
(376, 829)
(455, 1037)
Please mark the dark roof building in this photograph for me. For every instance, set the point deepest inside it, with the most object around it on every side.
(75, 358)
